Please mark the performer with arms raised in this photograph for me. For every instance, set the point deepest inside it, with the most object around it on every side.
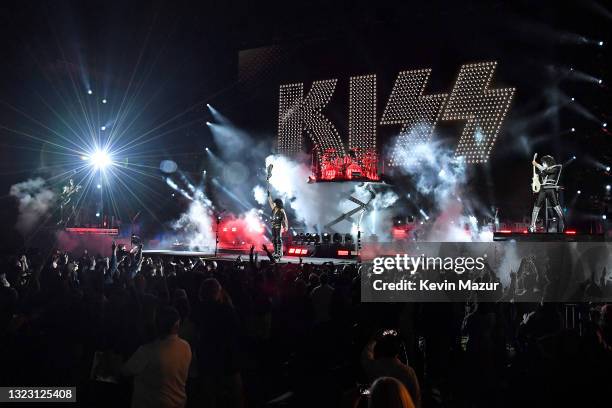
(278, 220)
(546, 185)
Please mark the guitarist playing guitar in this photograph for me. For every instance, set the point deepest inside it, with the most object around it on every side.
(546, 184)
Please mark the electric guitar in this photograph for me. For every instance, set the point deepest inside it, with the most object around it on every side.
(535, 181)
(66, 196)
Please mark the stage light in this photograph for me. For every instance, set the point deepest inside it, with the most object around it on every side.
(99, 186)
(100, 159)
(103, 100)
(97, 214)
(573, 157)
(573, 99)
(579, 192)
(208, 105)
(207, 149)
(608, 168)
(608, 187)
(337, 238)
(326, 238)
(601, 43)
(600, 81)
(604, 217)
(348, 238)
(89, 92)
(208, 123)
(103, 128)
(605, 124)
(573, 129)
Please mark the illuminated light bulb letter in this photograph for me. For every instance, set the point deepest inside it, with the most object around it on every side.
(484, 110)
(417, 113)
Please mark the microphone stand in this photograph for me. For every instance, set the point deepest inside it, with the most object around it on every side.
(217, 234)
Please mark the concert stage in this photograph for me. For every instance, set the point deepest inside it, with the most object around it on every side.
(567, 236)
(232, 255)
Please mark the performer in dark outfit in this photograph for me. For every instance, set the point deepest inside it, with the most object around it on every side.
(549, 174)
(279, 225)
(278, 220)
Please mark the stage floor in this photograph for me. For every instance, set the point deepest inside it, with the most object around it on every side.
(231, 256)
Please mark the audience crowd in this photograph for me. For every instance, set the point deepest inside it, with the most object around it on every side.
(165, 331)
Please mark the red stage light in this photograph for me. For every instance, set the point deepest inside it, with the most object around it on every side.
(304, 251)
(343, 252)
(505, 231)
(292, 250)
(570, 232)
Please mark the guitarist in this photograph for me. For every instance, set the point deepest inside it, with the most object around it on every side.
(278, 220)
(66, 197)
(549, 174)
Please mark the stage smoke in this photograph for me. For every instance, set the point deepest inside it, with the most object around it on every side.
(196, 227)
(260, 195)
(440, 176)
(34, 200)
(316, 204)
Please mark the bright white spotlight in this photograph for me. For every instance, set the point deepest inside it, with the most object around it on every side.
(573, 99)
(103, 128)
(99, 186)
(207, 149)
(604, 217)
(608, 187)
(579, 192)
(97, 214)
(573, 129)
(207, 123)
(608, 168)
(89, 92)
(100, 159)
(601, 43)
(605, 124)
(600, 81)
(573, 157)
(103, 100)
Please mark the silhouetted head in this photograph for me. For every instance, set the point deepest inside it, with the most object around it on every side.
(549, 161)
(278, 203)
(167, 320)
(388, 392)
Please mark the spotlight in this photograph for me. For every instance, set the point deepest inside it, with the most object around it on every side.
(326, 238)
(608, 168)
(600, 81)
(573, 99)
(100, 159)
(89, 92)
(348, 238)
(605, 124)
(207, 123)
(103, 100)
(608, 187)
(337, 238)
(208, 105)
(97, 214)
(207, 149)
(99, 186)
(573, 129)
(601, 43)
(316, 238)
(103, 128)
(573, 157)
(604, 217)
(579, 192)
(301, 237)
